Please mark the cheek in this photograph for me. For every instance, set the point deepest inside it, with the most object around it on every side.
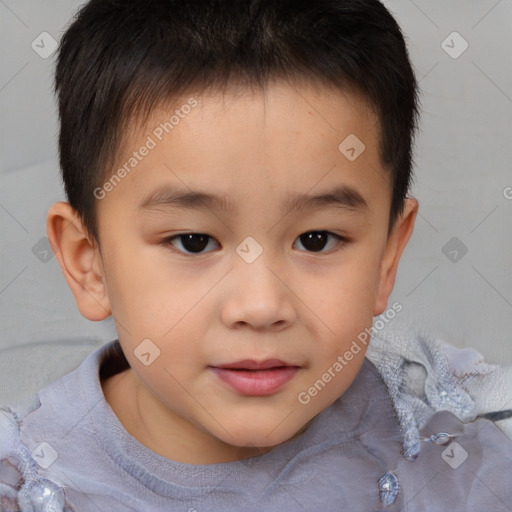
(347, 297)
(159, 308)
(147, 295)
(345, 308)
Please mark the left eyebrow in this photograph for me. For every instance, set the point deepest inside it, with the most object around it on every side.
(343, 197)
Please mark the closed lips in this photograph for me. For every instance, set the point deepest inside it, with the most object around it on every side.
(250, 364)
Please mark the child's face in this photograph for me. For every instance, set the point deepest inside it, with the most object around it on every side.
(212, 301)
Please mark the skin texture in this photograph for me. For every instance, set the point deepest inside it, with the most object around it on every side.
(294, 303)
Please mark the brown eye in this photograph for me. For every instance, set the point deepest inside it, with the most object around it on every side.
(196, 243)
(315, 241)
(193, 243)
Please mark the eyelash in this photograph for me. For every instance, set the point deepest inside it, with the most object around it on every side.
(339, 245)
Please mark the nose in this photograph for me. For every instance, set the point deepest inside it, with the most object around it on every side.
(258, 296)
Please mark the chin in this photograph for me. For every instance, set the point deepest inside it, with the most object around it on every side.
(262, 435)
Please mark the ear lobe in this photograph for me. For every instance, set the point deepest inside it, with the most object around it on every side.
(80, 261)
(396, 243)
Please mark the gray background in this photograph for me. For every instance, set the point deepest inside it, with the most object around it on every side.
(463, 183)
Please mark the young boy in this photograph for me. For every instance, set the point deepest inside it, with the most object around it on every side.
(277, 136)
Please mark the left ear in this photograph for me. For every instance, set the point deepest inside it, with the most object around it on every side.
(395, 245)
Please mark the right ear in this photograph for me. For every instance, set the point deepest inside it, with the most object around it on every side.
(80, 261)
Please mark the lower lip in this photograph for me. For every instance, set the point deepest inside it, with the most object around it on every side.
(256, 383)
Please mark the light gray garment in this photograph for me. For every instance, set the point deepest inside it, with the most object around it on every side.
(90, 462)
(425, 374)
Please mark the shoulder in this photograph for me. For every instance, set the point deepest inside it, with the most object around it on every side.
(464, 466)
(454, 411)
(424, 374)
(37, 433)
(21, 484)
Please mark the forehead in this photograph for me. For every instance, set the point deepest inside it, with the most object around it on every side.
(283, 142)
